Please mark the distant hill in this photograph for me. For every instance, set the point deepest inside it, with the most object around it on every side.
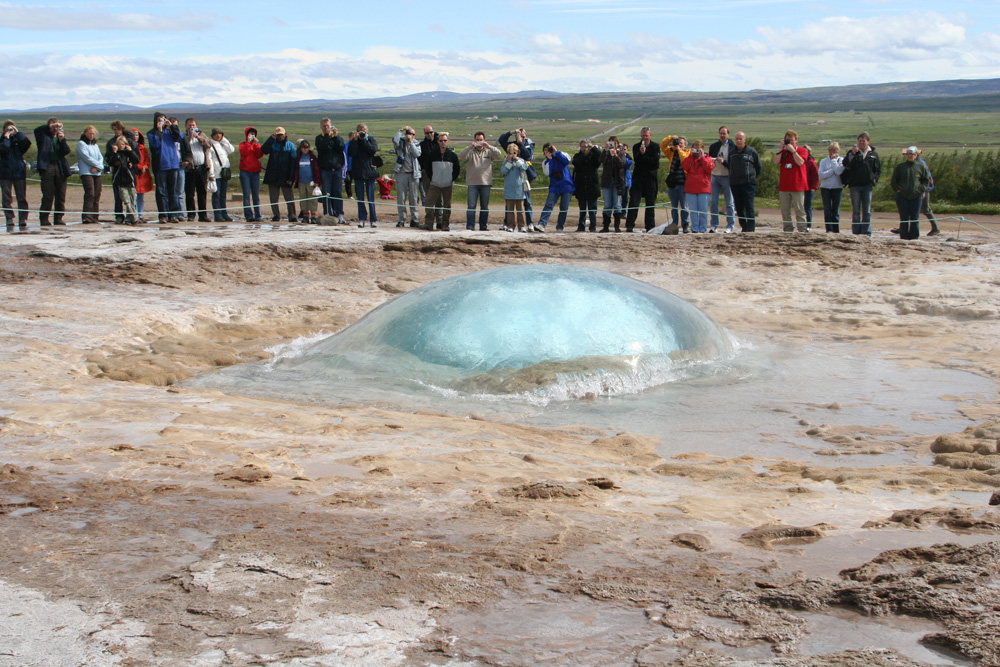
(982, 94)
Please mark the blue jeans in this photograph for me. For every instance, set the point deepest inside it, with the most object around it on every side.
(831, 208)
(250, 184)
(550, 201)
(480, 193)
(678, 203)
(861, 202)
(219, 212)
(612, 201)
(366, 191)
(720, 184)
(333, 188)
(699, 210)
(168, 197)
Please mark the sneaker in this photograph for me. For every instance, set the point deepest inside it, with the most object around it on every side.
(539, 228)
(522, 229)
(934, 232)
(401, 224)
(530, 228)
(503, 228)
(374, 224)
(340, 220)
(728, 231)
(361, 223)
(712, 230)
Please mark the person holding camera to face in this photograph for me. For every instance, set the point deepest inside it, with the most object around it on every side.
(13, 176)
(478, 158)
(586, 163)
(613, 182)
(164, 154)
(526, 151)
(407, 172)
(197, 161)
(118, 130)
(331, 153)
(250, 155)
(675, 149)
(279, 174)
(53, 169)
(644, 180)
(792, 182)
(698, 168)
(363, 151)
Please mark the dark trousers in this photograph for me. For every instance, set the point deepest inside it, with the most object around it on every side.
(196, 184)
(348, 187)
(807, 204)
(588, 208)
(831, 208)
(909, 216)
(743, 204)
(641, 189)
(17, 188)
(333, 188)
(53, 192)
(286, 190)
(91, 196)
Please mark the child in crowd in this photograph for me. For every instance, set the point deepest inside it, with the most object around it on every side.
(515, 188)
(124, 162)
(143, 175)
(385, 183)
(307, 175)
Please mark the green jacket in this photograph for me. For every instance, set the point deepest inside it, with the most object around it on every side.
(911, 179)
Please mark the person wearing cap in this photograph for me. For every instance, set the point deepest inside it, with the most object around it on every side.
(250, 154)
(331, 153)
(910, 180)
(280, 172)
(222, 171)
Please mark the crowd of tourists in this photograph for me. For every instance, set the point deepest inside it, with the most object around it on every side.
(183, 167)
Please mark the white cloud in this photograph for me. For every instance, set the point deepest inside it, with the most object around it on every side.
(29, 17)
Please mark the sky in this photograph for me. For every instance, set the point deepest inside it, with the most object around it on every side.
(148, 53)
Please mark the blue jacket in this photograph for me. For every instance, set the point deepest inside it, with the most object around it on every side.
(557, 168)
(12, 150)
(163, 154)
(513, 178)
(44, 141)
(89, 155)
(281, 164)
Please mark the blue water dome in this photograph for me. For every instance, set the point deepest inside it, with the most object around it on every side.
(565, 330)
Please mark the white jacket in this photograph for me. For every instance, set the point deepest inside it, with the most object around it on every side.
(221, 150)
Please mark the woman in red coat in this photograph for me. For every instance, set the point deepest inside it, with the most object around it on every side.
(698, 185)
(143, 176)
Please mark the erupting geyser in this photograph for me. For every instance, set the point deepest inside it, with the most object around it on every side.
(564, 330)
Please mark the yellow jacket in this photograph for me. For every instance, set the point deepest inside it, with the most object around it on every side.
(668, 150)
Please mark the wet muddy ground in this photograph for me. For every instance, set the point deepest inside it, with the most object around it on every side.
(147, 522)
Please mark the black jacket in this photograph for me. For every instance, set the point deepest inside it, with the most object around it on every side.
(12, 150)
(744, 166)
(44, 141)
(123, 164)
(427, 146)
(861, 171)
(362, 151)
(329, 152)
(646, 165)
(588, 183)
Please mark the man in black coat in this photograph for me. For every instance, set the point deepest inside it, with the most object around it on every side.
(644, 180)
(744, 170)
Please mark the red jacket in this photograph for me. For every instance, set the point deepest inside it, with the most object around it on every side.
(144, 178)
(699, 174)
(812, 173)
(250, 154)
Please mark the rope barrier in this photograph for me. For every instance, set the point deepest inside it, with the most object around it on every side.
(537, 211)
